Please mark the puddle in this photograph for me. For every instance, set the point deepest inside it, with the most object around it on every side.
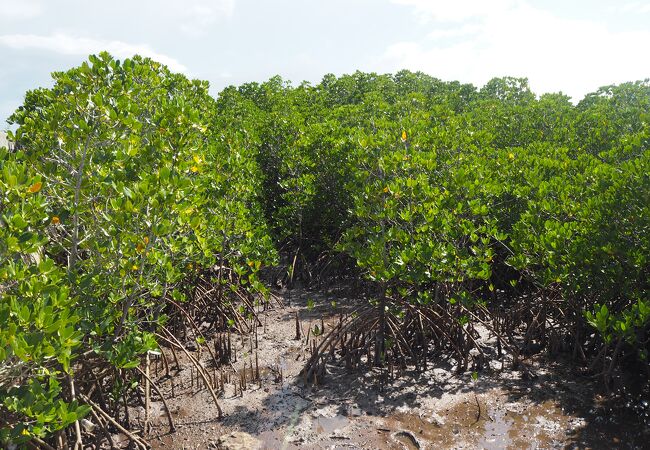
(495, 427)
(327, 425)
(497, 431)
(274, 440)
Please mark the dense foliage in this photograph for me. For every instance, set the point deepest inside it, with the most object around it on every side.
(473, 204)
(121, 197)
(459, 206)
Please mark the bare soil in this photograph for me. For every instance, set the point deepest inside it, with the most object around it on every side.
(545, 405)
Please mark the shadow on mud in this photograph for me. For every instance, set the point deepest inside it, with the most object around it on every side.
(547, 405)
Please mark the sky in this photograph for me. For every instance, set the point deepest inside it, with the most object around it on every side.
(573, 47)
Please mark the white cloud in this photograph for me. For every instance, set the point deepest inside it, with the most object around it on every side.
(19, 9)
(195, 17)
(68, 45)
(455, 11)
(516, 39)
(450, 33)
(636, 7)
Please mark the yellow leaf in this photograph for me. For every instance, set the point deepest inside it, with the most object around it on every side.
(403, 136)
(146, 239)
(34, 188)
(56, 220)
(386, 190)
(511, 156)
(134, 267)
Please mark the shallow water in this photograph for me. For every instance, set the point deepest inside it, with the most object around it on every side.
(488, 426)
(327, 425)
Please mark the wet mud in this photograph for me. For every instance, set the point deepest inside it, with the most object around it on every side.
(434, 409)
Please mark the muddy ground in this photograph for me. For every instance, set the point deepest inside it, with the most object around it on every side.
(545, 406)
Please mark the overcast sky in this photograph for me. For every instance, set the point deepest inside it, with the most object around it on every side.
(560, 45)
